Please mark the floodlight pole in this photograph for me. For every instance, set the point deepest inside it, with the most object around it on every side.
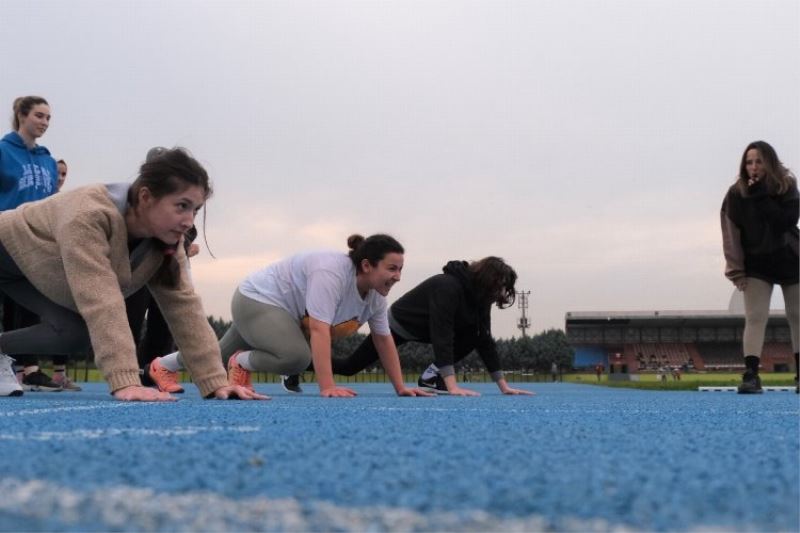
(522, 303)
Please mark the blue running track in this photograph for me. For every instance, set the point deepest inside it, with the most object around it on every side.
(572, 458)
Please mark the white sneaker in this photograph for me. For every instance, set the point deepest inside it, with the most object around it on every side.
(9, 386)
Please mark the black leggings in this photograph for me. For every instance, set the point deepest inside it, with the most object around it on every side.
(157, 339)
(366, 354)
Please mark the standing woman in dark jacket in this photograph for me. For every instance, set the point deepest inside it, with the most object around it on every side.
(760, 239)
(452, 312)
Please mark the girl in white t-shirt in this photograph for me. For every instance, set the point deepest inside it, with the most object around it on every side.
(286, 315)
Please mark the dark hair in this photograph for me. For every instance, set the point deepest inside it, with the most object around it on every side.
(171, 171)
(778, 178)
(23, 105)
(494, 281)
(373, 248)
(61, 161)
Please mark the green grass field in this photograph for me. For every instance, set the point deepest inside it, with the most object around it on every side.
(689, 381)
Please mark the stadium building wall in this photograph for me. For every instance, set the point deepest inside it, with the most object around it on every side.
(643, 341)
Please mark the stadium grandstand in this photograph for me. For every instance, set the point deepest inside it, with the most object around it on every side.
(644, 341)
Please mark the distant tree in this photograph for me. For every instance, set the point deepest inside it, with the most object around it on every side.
(343, 347)
(550, 347)
(219, 326)
(535, 353)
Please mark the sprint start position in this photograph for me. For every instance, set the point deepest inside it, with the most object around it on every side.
(286, 315)
(450, 311)
(73, 258)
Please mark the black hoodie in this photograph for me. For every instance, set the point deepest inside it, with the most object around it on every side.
(759, 234)
(443, 310)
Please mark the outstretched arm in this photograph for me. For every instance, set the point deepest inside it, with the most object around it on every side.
(321, 356)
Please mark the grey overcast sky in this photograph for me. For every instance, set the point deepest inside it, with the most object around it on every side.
(589, 143)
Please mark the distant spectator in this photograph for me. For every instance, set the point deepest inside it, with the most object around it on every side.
(760, 240)
(598, 369)
(554, 371)
(62, 173)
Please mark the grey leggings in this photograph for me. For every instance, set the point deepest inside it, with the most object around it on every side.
(757, 296)
(277, 343)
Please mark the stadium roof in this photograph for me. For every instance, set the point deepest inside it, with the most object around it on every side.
(661, 318)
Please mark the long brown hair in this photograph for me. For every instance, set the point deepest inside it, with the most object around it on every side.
(171, 171)
(23, 105)
(494, 281)
(778, 178)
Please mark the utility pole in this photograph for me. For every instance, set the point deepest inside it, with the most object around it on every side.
(522, 303)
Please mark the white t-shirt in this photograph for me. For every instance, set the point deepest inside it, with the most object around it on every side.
(321, 285)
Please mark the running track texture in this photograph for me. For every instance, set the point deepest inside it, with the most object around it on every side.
(571, 458)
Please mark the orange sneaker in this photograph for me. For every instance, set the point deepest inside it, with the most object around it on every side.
(238, 375)
(165, 380)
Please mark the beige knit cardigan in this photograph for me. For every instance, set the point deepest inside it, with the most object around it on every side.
(73, 247)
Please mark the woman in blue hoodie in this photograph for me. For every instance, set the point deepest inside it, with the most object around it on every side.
(27, 173)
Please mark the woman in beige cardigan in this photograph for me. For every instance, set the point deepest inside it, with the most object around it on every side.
(73, 259)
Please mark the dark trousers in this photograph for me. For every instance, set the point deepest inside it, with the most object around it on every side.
(366, 354)
(58, 331)
(150, 331)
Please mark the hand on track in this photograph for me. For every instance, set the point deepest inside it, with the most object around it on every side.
(458, 391)
(510, 391)
(237, 392)
(137, 393)
(338, 392)
(415, 392)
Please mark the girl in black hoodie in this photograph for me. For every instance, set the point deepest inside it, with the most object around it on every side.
(452, 312)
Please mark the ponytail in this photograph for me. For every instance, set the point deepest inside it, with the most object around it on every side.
(373, 248)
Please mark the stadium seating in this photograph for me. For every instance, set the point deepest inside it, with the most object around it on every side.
(668, 353)
(721, 356)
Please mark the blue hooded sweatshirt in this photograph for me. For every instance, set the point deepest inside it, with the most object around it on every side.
(25, 175)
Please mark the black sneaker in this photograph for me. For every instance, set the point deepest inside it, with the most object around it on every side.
(38, 381)
(751, 383)
(435, 383)
(291, 383)
(144, 375)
